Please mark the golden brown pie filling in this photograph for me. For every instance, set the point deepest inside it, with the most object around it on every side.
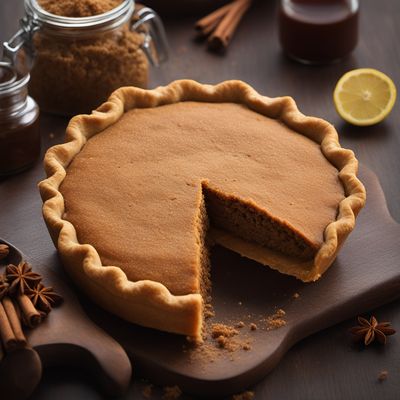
(134, 191)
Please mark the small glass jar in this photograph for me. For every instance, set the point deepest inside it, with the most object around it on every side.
(19, 123)
(318, 31)
(78, 62)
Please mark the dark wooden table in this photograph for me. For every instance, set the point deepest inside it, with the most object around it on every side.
(326, 365)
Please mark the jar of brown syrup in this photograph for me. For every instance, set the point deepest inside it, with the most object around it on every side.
(318, 31)
(19, 123)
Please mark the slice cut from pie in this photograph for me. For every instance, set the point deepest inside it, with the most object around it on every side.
(145, 183)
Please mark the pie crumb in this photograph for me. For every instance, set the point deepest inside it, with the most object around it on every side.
(171, 392)
(276, 320)
(383, 376)
(222, 341)
(253, 326)
(218, 330)
(147, 391)
(296, 295)
(248, 395)
(209, 314)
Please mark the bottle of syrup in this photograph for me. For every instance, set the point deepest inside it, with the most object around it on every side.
(318, 31)
(19, 123)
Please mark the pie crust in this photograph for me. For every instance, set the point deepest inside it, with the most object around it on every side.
(150, 303)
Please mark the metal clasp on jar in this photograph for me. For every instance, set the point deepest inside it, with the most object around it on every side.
(153, 33)
(23, 38)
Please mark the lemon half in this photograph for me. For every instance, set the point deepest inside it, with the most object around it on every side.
(364, 96)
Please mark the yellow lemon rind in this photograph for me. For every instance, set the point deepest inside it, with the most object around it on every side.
(369, 121)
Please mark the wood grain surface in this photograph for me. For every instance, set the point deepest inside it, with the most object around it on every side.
(325, 365)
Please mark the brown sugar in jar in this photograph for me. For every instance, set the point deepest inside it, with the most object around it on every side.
(78, 8)
(85, 49)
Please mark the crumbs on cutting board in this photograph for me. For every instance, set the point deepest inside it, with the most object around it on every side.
(171, 392)
(247, 395)
(383, 375)
(223, 340)
(147, 391)
(168, 392)
(231, 339)
(253, 326)
(276, 320)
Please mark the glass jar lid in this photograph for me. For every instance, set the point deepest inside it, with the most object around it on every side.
(10, 79)
(8, 75)
(69, 25)
(13, 90)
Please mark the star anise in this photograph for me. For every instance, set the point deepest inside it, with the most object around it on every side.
(21, 278)
(368, 331)
(43, 298)
(3, 286)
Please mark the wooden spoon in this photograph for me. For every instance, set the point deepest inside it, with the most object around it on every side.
(20, 373)
(14, 256)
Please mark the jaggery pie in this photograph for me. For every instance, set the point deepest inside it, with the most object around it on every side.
(144, 184)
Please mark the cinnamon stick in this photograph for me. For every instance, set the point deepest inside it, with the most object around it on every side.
(207, 30)
(6, 332)
(15, 321)
(17, 310)
(212, 19)
(30, 315)
(225, 30)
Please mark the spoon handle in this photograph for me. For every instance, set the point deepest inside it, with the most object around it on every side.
(20, 373)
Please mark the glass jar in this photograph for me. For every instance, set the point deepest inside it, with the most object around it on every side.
(19, 123)
(318, 31)
(78, 62)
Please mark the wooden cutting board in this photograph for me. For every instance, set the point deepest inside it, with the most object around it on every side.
(365, 275)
